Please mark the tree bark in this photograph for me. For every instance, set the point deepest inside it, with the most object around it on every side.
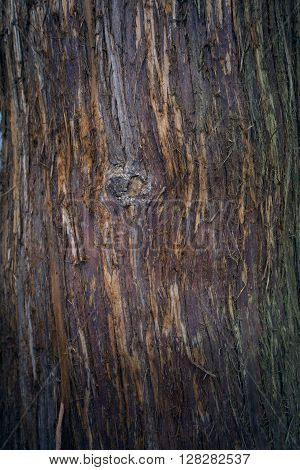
(149, 222)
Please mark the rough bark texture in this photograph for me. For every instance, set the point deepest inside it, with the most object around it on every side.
(149, 221)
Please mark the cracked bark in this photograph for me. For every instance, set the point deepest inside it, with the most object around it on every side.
(149, 222)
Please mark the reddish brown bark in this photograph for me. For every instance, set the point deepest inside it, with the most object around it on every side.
(149, 222)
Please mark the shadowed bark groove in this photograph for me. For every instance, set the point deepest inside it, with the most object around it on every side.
(149, 224)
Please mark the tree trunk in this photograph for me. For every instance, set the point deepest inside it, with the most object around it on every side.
(149, 221)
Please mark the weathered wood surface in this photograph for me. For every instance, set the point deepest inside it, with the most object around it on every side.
(149, 222)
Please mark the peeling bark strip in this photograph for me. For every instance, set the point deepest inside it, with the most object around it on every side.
(58, 427)
(149, 224)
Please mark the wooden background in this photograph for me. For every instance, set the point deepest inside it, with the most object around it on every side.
(149, 222)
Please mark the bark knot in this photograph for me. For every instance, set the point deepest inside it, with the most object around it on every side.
(128, 188)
